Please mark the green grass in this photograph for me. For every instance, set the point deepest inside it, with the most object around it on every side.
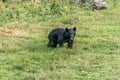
(24, 54)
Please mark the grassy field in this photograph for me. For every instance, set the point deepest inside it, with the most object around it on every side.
(24, 54)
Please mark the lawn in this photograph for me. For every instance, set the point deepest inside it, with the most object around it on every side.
(24, 54)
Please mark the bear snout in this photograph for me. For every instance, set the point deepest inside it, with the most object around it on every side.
(72, 37)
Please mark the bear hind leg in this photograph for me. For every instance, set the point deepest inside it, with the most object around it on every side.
(52, 44)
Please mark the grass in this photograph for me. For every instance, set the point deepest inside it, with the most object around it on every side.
(24, 54)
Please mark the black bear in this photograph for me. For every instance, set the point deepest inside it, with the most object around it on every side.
(60, 36)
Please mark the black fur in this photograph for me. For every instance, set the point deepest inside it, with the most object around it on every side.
(60, 36)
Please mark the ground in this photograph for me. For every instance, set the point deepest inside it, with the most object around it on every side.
(24, 54)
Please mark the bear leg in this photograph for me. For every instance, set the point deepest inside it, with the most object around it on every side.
(52, 44)
(70, 44)
(60, 42)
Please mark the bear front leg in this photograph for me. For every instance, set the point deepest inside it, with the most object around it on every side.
(70, 44)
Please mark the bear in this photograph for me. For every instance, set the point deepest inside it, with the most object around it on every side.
(61, 36)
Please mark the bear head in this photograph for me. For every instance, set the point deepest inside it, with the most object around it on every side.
(70, 33)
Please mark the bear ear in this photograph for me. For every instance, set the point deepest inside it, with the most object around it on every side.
(74, 28)
(66, 29)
